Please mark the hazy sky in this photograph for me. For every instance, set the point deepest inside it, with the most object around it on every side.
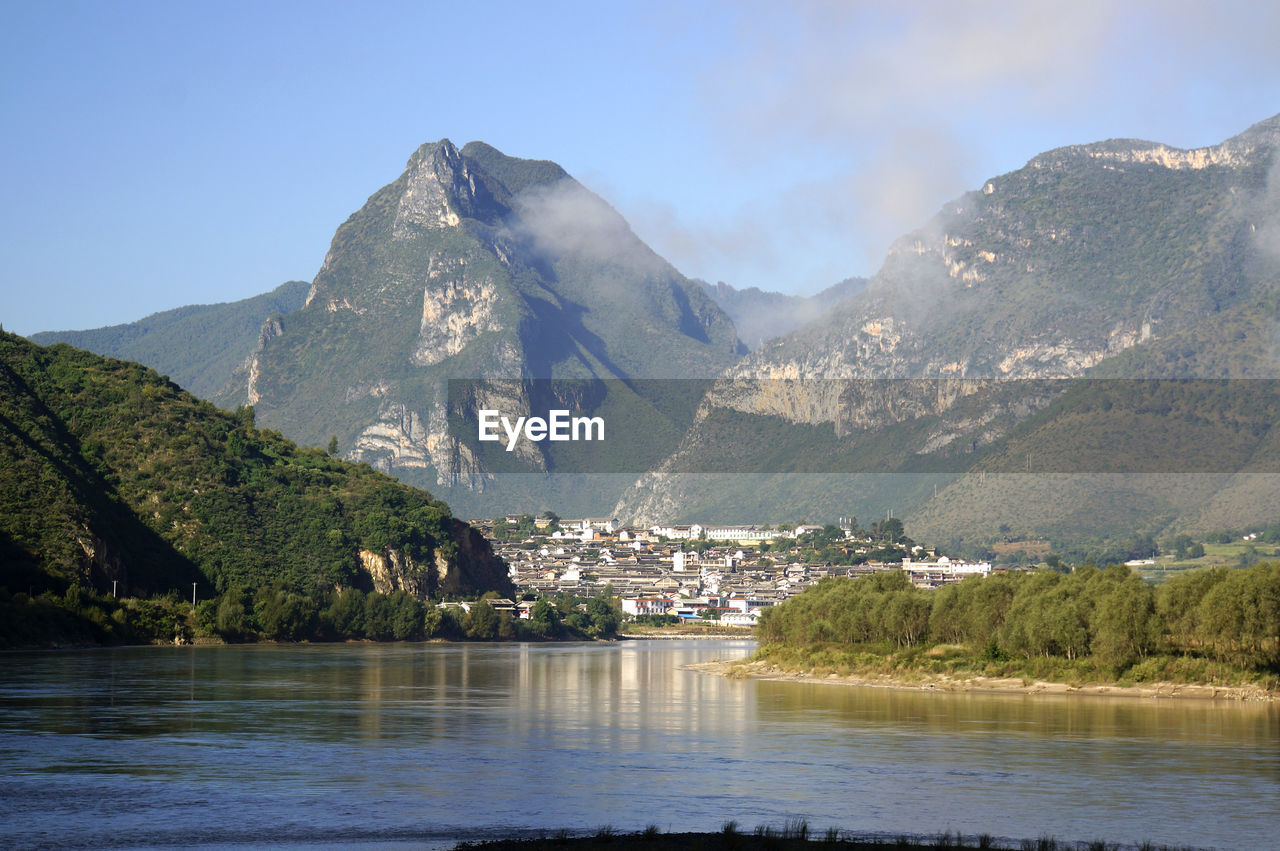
(157, 154)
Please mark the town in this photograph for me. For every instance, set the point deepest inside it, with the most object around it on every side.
(724, 573)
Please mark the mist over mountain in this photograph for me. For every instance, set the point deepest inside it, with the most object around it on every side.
(760, 315)
(1118, 259)
(473, 264)
(1121, 258)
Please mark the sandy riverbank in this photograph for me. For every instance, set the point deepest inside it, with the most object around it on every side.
(744, 669)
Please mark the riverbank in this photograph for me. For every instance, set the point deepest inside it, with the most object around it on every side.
(792, 836)
(920, 681)
(719, 633)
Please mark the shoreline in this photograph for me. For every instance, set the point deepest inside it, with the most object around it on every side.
(746, 669)
(722, 636)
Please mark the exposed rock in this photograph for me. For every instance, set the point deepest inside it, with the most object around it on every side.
(271, 329)
(456, 309)
(439, 193)
(394, 570)
(474, 565)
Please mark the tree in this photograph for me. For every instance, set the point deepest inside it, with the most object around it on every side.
(232, 620)
(432, 620)
(344, 617)
(907, 617)
(406, 616)
(283, 613)
(378, 617)
(333, 446)
(544, 619)
(1125, 624)
(482, 622)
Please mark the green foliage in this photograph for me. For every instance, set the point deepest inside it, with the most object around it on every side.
(544, 620)
(115, 479)
(284, 614)
(1102, 619)
(1230, 615)
(198, 346)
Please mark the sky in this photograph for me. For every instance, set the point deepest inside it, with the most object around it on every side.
(158, 154)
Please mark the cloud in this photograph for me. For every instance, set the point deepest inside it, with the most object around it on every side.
(885, 92)
(903, 106)
(1265, 215)
(566, 218)
(828, 70)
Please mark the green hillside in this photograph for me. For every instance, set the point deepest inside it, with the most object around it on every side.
(198, 346)
(115, 478)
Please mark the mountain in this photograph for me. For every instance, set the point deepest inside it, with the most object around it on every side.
(1117, 259)
(760, 315)
(113, 474)
(476, 265)
(198, 346)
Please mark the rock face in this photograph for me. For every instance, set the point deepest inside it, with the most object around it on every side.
(1122, 258)
(271, 329)
(394, 570)
(482, 569)
(472, 265)
(467, 565)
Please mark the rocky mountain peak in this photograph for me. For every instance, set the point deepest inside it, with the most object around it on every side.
(440, 190)
(1239, 151)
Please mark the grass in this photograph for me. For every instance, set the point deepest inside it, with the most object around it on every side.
(1215, 555)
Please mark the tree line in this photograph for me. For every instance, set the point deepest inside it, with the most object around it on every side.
(280, 612)
(1110, 615)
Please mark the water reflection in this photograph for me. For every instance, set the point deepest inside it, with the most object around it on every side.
(410, 743)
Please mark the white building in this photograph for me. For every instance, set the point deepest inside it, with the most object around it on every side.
(947, 566)
(736, 618)
(646, 606)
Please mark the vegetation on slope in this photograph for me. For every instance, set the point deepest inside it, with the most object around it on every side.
(199, 346)
(115, 479)
(1220, 626)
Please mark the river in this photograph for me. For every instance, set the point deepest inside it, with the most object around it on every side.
(424, 744)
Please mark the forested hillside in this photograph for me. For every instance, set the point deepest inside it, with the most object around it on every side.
(199, 346)
(115, 479)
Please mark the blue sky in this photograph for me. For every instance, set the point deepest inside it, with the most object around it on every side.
(157, 154)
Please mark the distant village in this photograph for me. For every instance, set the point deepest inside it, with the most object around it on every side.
(725, 573)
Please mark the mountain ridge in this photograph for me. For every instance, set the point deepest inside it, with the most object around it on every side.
(472, 264)
(197, 345)
(1116, 258)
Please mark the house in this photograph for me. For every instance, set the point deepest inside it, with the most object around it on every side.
(646, 606)
(738, 533)
(737, 618)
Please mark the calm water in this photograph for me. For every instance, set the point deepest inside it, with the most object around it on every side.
(424, 744)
